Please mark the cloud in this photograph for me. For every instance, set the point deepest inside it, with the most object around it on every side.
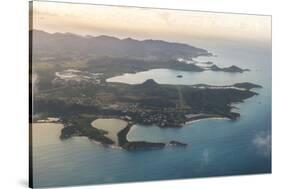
(262, 142)
(205, 157)
(204, 160)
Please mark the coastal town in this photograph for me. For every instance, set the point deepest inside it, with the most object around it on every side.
(77, 89)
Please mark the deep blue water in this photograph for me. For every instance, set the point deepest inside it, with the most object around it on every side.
(217, 147)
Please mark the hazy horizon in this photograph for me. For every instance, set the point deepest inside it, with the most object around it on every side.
(148, 23)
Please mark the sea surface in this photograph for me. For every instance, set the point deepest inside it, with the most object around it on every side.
(216, 147)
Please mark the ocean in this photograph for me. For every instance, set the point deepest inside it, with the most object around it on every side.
(217, 147)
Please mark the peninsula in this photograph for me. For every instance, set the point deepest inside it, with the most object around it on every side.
(148, 103)
(74, 88)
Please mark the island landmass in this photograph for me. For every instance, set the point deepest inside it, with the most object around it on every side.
(71, 84)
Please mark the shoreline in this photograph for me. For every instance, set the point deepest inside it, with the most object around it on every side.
(112, 146)
(48, 120)
(99, 136)
(200, 119)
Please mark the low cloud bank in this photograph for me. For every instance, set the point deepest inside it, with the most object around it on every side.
(262, 141)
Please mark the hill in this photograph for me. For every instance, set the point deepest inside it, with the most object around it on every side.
(67, 45)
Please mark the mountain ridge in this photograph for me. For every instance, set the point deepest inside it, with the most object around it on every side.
(64, 44)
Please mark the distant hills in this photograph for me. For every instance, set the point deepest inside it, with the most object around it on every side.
(67, 45)
(232, 68)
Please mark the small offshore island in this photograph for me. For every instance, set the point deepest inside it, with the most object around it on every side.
(77, 92)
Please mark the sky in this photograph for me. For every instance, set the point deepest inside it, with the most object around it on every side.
(149, 23)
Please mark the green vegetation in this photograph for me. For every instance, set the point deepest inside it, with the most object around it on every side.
(72, 85)
(137, 145)
(80, 126)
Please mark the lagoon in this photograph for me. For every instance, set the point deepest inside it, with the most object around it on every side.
(216, 147)
(112, 126)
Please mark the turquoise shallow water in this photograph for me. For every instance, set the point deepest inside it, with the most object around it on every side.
(217, 147)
